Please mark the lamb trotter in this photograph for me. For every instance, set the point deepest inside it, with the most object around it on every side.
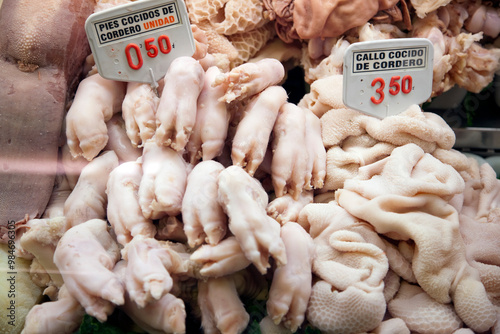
(42, 49)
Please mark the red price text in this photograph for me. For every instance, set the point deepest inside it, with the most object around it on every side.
(153, 48)
(396, 85)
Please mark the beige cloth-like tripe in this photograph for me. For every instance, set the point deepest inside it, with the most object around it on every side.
(325, 94)
(480, 226)
(425, 129)
(421, 313)
(354, 139)
(344, 161)
(350, 265)
(406, 196)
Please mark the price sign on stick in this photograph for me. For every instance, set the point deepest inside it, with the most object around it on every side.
(383, 78)
(139, 40)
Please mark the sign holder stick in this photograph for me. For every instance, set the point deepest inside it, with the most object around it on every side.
(154, 83)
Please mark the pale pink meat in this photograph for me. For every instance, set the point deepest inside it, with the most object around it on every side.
(332, 18)
(299, 157)
(85, 256)
(88, 199)
(290, 155)
(63, 315)
(330, 66)
(250, 78)
(319, 47)
(483, 18)
(60, 193)
(163, 182)
(201, 42)
(244, 201)
(281, 11)
(286, 209)
(212, 120)
(96, 101)
(166, 315)
(123, 210)
(72, 167)
(480, 69)
(139, 112)
(393, 326)
(222, 259)
(430, 28)
(291, 285)
(223, 213)
(459, 58)
(176, 114)
(149, 266)
(221, 308)
(171, 228)
(379, 31)
(315, 151)
(107, 4)
(40, 241)
(423, 7)
(202, 215)
(441, 61)
(254, 130)
(119, 142)
(267, 326)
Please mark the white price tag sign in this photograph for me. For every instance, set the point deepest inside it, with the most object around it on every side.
(139, 40)
(383, 78)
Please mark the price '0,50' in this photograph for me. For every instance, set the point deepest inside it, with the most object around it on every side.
(394, 87)
(164, 47)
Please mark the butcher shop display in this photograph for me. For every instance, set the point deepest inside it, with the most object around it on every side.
(231, 195)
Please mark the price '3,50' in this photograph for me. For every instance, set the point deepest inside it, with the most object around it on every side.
(394, 87)
(164, 46)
